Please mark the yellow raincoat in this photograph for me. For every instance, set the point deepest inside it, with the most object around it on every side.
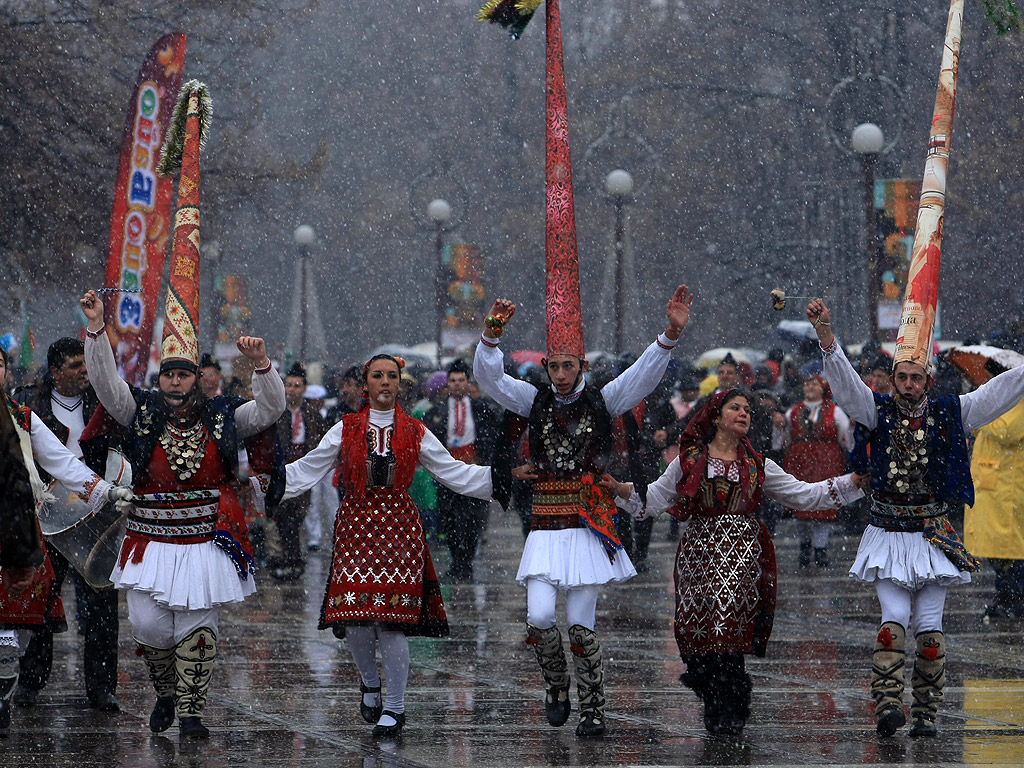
(994, 526)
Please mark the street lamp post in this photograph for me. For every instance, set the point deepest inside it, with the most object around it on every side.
(439, 212)
(619, 184)
(304, 237)
(868, 141)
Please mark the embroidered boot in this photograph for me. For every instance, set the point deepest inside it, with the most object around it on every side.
(547, 643)
(887, 678)
(586, 652)
(193, 666)
(928, 680)
(160, 662)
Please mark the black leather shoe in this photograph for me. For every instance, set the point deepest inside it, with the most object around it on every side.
(25, 697)
(805, 554)
(923, 727)
(162, 716)
(389, 731)
(193, 728)
(370, 714)
(590, 727)
(105, 702)
(5, 718)
(556, 709)
(891, 721)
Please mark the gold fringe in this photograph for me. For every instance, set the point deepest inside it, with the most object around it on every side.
(174, 141)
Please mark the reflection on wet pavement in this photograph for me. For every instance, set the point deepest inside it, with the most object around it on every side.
(285, 694)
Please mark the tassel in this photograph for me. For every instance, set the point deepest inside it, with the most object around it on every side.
(174, 141)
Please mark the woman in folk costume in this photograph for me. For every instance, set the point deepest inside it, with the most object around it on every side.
(725, 566)
(187, 549)
(382, 586)
(573, 546)
(816, 435)
(27, 597)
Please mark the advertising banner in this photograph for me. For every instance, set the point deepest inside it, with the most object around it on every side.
(141, 222)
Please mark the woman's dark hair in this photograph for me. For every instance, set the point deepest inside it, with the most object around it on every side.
(396, 360)
(743, 392)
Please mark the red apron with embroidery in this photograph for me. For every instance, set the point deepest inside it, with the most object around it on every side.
(381, 569)
(815, 455)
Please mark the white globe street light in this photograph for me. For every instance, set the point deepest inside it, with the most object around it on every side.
(304, 235)
(619, 183)
(868, 141)
(439, 211)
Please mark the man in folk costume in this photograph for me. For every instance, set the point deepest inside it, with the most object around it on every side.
(299, 431)
(916, 450)
(65, 401)
(468, 428)
(571, 440)
(187, 549)
(28, 597)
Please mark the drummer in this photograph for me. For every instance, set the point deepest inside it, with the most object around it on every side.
(64, 401)
(25, 442)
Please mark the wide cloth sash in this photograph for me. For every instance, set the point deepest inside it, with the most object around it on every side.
(556, 505)
(929, 519)
(177, 517)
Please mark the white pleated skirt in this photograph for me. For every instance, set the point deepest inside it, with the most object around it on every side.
(906, 559)
(185, 576)
(571, 557)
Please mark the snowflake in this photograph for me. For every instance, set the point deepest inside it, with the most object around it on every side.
(350, 598)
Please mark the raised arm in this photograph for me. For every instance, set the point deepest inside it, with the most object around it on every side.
(489, 367)
(113, 391)
(639, 380)
(850, 392)
(268, 401)
(992, 399)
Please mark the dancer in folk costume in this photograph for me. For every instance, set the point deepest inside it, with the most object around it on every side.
(816, 435)
(725, 574)
(187, 550)
(382, 586)
(916, 450)
(28, 597)
(573, 546)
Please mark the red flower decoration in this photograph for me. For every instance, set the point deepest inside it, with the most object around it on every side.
(930, 652)
(885, 638)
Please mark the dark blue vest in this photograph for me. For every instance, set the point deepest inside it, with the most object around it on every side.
(949, 470)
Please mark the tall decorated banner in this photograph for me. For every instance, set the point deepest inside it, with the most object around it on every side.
(140, 224)
(917, 322)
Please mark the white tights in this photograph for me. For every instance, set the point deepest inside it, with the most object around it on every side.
(541, 599)
(158, 626)
(929, 602)
(394, 658)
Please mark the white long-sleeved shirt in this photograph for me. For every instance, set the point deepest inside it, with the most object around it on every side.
(262, 411)
(465, 479)
(623, 393)
(978, 408)
(779, 486)
(56, 460)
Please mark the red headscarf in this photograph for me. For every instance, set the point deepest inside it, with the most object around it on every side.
(698, 434)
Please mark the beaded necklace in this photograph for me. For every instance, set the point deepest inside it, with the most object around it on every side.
(565, 449)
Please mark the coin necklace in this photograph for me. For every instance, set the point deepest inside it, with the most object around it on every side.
(185, 448)
(564, 449)
(908, 453)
